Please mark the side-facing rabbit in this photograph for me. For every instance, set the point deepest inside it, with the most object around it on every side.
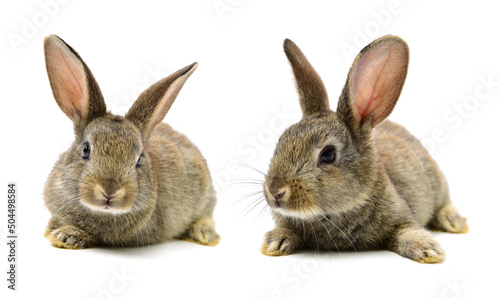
(125, 181)
(350, 180)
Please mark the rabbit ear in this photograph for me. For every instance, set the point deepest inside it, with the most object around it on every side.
(374, 82)
(153, 104)
(73, 85)
(312, 93)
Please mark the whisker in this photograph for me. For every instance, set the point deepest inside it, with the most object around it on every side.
(243, 198)
(246, 181)
(316, 238)
(353, 238)
(304, 229)
(247, 184)
(253, 204)
(341, 231)
(248, 167)
(328, 232)
(136, 213)
(258, 202)
(261, 213)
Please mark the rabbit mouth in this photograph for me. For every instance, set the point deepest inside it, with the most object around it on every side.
(285, 203)
(104, 206)
(100, 200)
(305, 214)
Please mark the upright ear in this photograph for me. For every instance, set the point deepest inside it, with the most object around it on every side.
(73, 85)
(153, 104)
(374, 83)
(312, 93)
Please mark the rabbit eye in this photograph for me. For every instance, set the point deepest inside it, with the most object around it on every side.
(86, 151)
(139, 161)
(327, 155)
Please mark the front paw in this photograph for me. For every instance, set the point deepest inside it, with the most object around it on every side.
(280, 242)
(70, 237)
(418, 245)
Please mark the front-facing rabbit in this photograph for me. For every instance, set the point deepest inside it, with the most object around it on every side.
(350, 180)
(125, 181)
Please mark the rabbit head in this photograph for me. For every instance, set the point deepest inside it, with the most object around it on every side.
(326, 163)
(107, 168)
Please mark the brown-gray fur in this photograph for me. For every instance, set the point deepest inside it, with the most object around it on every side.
(125, 181)
(348, 180)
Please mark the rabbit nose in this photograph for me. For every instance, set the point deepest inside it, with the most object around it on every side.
(110, 188)
(108, 197)
(280, 195)
(277, 193)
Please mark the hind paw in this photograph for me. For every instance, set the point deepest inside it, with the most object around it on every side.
(203, 232)
(449, 220)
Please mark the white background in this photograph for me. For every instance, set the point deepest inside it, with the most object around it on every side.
(234, 107)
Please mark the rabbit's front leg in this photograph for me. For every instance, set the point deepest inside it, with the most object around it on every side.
(280, 242)
(68, 236)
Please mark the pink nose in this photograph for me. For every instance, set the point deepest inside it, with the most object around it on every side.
(279, 196)
(108, 197)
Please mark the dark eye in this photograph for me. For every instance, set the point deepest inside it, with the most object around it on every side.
(327, 155)
(139, 161)
(86, 151)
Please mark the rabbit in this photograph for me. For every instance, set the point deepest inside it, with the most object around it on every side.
(126, 181)
(350, 179)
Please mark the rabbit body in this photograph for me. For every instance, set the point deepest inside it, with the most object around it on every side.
(125, 181)
(348, 180)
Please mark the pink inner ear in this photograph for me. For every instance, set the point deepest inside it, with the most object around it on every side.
(68, 79)
(377, 79)
(76, 78)
(371, 79)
